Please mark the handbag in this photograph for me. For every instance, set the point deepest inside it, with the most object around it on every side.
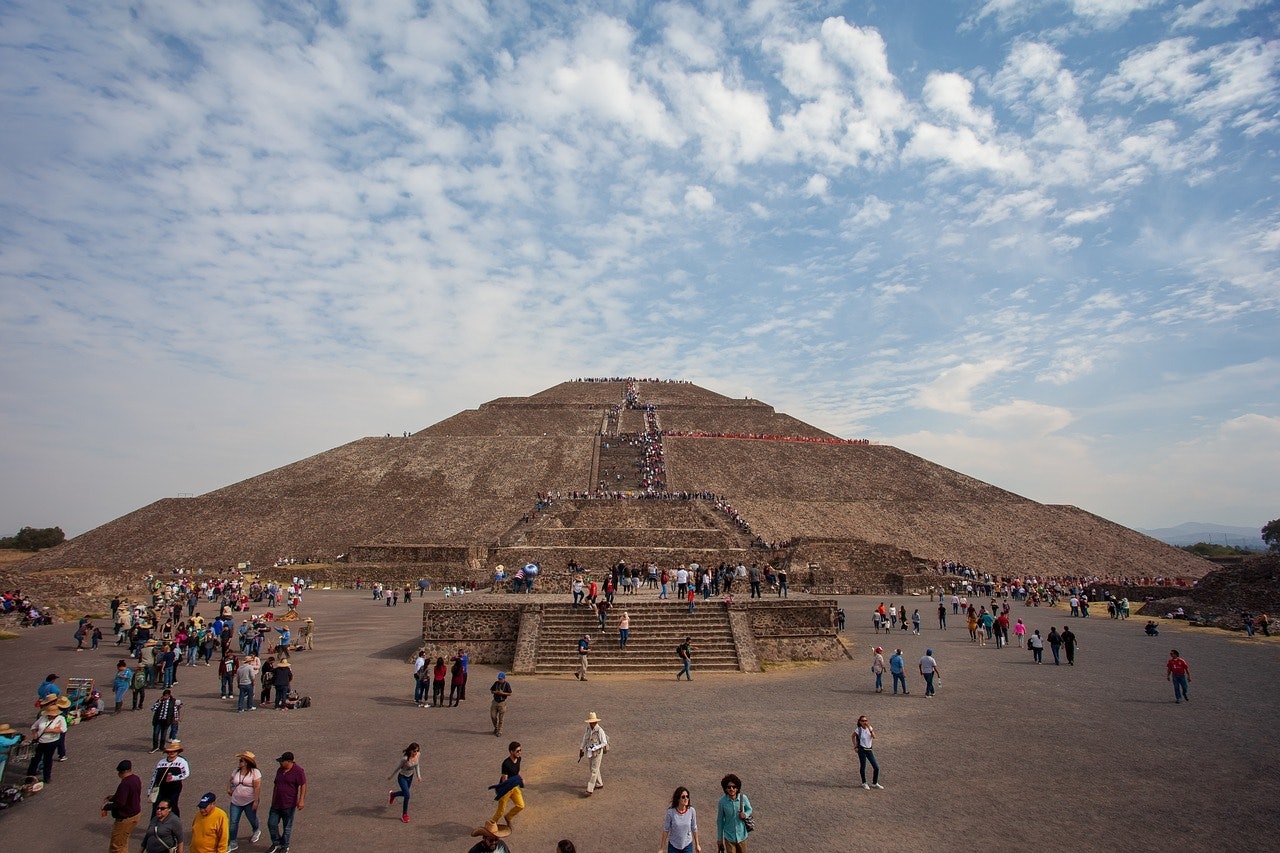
(154, 794)
(749, 822)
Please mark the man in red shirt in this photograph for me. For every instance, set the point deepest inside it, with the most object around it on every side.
(288, 796)
(1179, 672)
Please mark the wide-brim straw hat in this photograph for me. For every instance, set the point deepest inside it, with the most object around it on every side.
(49, 701)
(491, 829)
(284, 662)
(592, 718)
(6, 729)
(173, 746)
(63, 702)
(249, 757)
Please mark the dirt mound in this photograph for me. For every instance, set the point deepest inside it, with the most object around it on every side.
(1223, 596)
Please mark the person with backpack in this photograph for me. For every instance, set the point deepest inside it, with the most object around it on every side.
(684, 652)
(139, 686)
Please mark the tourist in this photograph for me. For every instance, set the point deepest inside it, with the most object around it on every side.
(308, 631)
(168, 776)
(164, 834)
(491, 836)
(508, 794)
(138, 686)
(942, 617)
(973, 626)
(864, 740)
(49, 728)
(732, 814)
(438, 675)
(595, 743)
(1036, 643)
(1069, 644)
(897, 670)
(421, 679)
(624, 630)
(1055, 644)
(227, 675)
(125, 806)
(164, 722)
(462, 686)
(579, 592)
(245, 792)
(120, 683)
(1178, 671)
(915, 622)
(680, 825)
(877, 668)
(684, 652)
(584, 650)
(1020, 631)
(690, 596)
(404, 774)
(455, 683)
(209, 829)
(929, 669)
(602, 612)
(501, 691)
(246, 678)
(282, 679)
(288, 796)
(266, 675)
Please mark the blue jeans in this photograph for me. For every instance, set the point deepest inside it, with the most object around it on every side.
(1180, 688)
(1055, 650)
(623, 634)
(405, 782)
(928, 684)
(226, 685)
(684, 670)
(249, 812)
(879, 681)
(865, 755)
(280, 837)
(671, 848)
(899, 677)
(420, 689)
(245, 701)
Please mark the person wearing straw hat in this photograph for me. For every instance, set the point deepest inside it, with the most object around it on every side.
(282, 678)
(9, 737)
(595, 743)
(491, 838)
(168, 776)
(245, 792)
(308, 632)
(125, 806)
(49, 727)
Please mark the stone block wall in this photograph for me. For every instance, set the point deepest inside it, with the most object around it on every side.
(489, 632)
(786, 630)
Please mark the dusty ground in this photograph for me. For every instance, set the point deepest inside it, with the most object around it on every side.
(1009, 756)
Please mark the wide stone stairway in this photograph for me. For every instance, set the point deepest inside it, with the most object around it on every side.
(657, 627)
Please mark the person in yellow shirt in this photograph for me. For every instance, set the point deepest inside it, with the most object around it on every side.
(209, 831)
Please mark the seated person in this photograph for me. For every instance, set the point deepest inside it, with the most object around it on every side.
(1153, 630)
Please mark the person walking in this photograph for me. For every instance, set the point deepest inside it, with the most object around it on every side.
(684, 652)
(1020, 631)
(48, 729)
(732, 813)
(125, 806)
(508, 790)
(120, 684)
(1036, 643)
(595, 743)
(1178, 671)
(164, 833)
(1055, 644)
(898, 671)
(877, 668)
(168, 776)
(245, 792)
(209, 829)
(1069, 645)
(438, 675)
(404, 774)
(680, 825)
(501, 691)
(491, 839)
(864, 740)
(624, 630)
(584, 650)
(929, 669)
(942, 616)
(288, 796)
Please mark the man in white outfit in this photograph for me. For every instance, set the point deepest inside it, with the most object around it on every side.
(595, 743)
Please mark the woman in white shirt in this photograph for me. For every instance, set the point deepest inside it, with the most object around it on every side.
(245, 789)
(680, 826)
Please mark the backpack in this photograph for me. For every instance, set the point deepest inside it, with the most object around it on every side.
(139, 679)
(304, 702)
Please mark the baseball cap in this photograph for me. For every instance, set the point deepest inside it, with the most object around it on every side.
(207, 799)
(285, 756)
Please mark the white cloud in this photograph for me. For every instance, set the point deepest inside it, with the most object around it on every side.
(817, 186)
(699, 198)
(1213, 13)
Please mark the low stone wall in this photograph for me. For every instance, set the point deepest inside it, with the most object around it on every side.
(790, 630)
(489, 632)
(417, 554)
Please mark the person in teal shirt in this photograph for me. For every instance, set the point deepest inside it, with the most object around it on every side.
(8, 737)
(731, 814)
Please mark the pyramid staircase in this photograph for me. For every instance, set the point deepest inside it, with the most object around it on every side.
(657, 627)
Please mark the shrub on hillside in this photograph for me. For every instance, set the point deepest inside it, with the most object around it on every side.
(34, 538)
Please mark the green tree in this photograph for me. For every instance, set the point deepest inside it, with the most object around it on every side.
(34, 538)
(1271, 533)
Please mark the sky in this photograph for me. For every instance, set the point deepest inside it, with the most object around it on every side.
(1036, 241)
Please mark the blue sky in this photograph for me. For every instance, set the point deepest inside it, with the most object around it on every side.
(1037, 241)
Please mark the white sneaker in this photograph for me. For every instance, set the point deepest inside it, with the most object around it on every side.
(878, 785)
(866, 786)
(257, 833)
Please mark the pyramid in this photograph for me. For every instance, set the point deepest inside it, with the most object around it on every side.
(462, 495)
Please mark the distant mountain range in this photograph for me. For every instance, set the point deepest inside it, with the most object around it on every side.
(1191, 532)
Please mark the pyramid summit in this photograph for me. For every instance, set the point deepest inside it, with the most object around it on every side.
(597, 470)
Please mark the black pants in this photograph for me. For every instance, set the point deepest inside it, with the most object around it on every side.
(43, 756)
